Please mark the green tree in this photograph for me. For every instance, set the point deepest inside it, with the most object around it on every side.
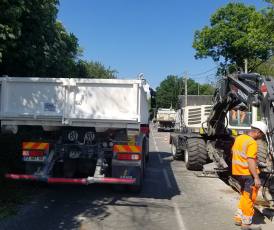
(10, 27)
(173, 86)
(62, 54)
(85, 69)
(266, 68)
(168, 91)
(236, 32)
(270, 1)
(206, 89)
(269, 15)
(33, 43)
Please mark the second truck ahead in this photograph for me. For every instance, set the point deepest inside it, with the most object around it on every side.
(165, 119)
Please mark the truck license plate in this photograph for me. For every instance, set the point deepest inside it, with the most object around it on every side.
(37, 159)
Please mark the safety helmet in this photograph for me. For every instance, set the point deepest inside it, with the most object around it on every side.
(260, 125)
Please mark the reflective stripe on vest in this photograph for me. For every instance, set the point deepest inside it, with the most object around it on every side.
(244, 148)
(243, 164)
(242, 154)
(246, 143)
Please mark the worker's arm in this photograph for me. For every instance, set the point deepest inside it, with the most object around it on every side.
(252, 166)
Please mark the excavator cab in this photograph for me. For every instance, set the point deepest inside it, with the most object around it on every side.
(239, 121)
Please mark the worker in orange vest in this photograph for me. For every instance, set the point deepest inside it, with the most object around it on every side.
(245, 170)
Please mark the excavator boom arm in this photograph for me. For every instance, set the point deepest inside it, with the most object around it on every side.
(238, 91)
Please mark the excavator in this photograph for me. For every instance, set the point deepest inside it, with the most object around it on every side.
(210, 149)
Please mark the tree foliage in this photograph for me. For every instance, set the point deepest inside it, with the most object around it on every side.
(266, 68)
(236, 32)
(38, 45)
(166, 93)
(270, 1)
(173, 86)
(34, 43)
(94, 70)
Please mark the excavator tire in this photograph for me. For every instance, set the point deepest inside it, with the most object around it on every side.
(262, 153)
(176, 153)
(195, 154)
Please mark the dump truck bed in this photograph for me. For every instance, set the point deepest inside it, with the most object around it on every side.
(74, 102)
(166, 115)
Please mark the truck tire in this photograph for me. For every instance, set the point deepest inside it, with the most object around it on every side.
(147, 150)
(195, 154)
(262, 153)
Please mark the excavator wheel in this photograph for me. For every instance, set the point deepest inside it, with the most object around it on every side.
(195, 154)
(262, 154)
(176, 153)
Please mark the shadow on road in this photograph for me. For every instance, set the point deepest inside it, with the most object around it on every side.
(259, 217)
(67, 206)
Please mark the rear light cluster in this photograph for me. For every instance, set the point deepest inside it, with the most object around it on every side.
(144, 129)
(33, 153)
(129, 156)
(128, 152)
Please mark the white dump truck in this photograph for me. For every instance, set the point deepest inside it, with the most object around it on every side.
(78, 130)
(165, 119)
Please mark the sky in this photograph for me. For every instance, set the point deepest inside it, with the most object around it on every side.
(153, 37)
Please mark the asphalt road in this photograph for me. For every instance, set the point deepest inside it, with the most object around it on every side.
(172, 198)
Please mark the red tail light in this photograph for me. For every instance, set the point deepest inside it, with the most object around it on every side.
(144, 129)
(128, 156)
(33, 153)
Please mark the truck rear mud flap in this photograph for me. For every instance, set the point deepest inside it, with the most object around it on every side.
(83, 181)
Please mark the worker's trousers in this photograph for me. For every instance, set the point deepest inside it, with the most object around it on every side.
(248, 197)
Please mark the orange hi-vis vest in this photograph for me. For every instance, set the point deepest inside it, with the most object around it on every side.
(244, 147)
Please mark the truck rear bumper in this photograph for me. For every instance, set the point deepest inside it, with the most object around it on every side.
(84, 181)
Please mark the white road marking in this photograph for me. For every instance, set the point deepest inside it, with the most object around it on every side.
(178, 215)
(156, 147)
(167, 179)
(160, 158)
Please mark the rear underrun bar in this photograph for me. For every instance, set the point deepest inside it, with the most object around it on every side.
(84, 181)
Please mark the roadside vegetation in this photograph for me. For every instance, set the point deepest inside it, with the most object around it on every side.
(173, 86)
(237, 32)
(33, 43)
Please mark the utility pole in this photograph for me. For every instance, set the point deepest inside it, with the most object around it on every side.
(198, 89)
(246, 70)
(185, 89)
